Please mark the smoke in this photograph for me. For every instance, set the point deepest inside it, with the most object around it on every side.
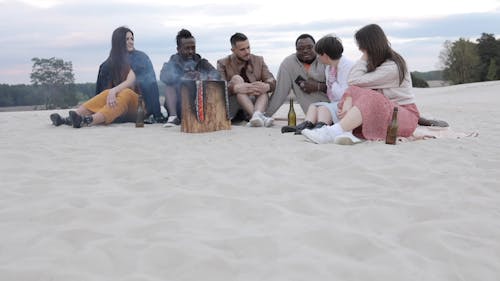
(193, 71)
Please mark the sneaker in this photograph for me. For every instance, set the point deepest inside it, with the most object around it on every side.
(268, 121)
(347, 138)
(256, 120)
(154, 120)
(149, 120)
(320, 136)
(172, 122)
(160, 119)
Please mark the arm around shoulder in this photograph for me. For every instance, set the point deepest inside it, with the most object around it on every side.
(384, 76)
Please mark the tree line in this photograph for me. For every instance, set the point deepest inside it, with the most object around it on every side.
(22, 94)
(464, 61)
(52, 86)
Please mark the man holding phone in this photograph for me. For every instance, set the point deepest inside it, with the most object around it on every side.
(301, 72)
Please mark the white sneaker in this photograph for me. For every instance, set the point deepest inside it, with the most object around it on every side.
(347, 138)
(268, 121)
(256, 120)
(172, 122)
(320, 135)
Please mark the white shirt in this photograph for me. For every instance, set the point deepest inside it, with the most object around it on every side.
(338, 84)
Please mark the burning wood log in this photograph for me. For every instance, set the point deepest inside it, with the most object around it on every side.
(204, 106)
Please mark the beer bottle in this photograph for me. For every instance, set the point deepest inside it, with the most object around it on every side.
(139, 122)
(392, 129)
(292, 118)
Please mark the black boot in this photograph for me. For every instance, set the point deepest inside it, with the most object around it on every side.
(304, 125)
(287, 129)
(57, 120)
(319, 125)
(76, 120)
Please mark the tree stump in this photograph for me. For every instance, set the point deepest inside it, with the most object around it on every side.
(204, 109)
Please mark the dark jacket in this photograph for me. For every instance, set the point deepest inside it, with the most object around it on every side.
(172, 72)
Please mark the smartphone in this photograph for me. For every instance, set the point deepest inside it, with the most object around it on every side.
(299, 79)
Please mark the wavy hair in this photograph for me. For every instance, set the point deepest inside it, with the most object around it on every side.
(372, 39)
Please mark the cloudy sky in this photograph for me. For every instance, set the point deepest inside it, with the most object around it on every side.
(80, 31)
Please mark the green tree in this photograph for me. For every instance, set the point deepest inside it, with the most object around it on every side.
(54, 78)
(492, 71)
(461, 61)
(488, 49)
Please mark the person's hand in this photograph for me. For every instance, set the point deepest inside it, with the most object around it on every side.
(243, 88)
(309, 86)
(261, 87)
(341, 113)
(344, 107)
(111, 99)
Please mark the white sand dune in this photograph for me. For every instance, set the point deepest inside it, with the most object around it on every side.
(122, 203)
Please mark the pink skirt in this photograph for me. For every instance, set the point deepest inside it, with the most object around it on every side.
(376, 111)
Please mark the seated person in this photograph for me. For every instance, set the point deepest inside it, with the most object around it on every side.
(329, 50)
(249, 82)
(145, 82)
(119, 98)
(185, 64)
(302, 66)
(378, 82)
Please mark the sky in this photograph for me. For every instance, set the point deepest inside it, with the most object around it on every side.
(80, 31)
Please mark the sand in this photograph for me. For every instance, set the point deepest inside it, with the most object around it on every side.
(123, 203)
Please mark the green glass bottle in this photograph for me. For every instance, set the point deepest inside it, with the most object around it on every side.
(139, 122)
(392, 129)
(292, 117)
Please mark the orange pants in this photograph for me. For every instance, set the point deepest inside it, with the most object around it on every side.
(126, 105)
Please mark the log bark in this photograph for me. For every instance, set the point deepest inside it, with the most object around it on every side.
(214, 109)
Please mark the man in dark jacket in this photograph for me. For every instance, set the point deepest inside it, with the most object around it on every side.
(186, 64)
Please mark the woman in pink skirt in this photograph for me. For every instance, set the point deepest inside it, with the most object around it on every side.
(379, 81)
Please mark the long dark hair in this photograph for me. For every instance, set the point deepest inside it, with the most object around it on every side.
(118, 56)
(372, 39)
